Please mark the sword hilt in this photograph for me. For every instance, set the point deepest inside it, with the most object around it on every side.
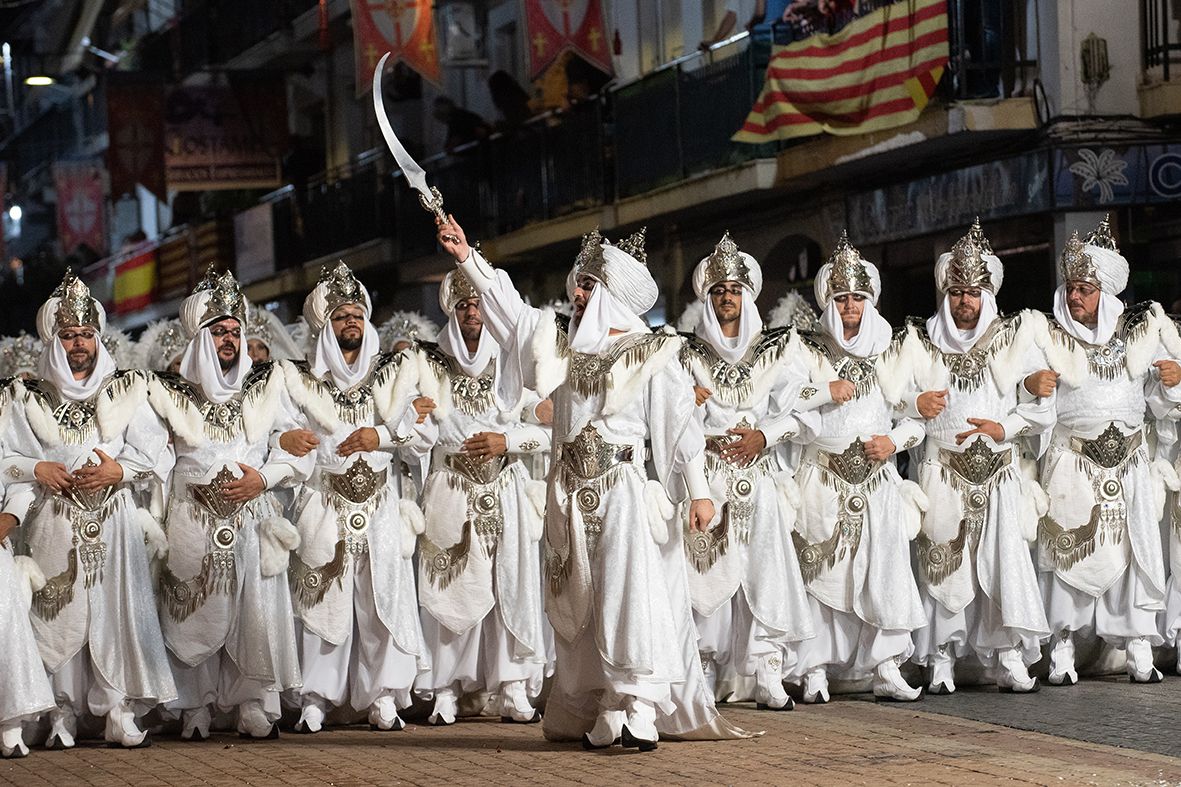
(434, 204)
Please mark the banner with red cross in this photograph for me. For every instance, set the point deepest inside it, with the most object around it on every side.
(81, 206)
(553, 26)
(404, 28)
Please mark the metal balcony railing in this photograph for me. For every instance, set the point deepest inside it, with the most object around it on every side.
(1161, 48)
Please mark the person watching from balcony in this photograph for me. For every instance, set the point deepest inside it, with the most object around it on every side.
(510, 99)
(463, 126)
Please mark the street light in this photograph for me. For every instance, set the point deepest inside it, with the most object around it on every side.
(40, 81)
(15, 213)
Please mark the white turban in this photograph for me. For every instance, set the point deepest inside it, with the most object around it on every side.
(320, 304)
(217, 299)
(1111, 268)
(941, 326)
(54, 365)
(874, 335)
(625, 292)
(824, 293)
(741, 268)
(996, 272)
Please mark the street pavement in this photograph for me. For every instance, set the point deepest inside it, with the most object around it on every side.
(1103, 731)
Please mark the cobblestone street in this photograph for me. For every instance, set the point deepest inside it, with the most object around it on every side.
(1100, 732)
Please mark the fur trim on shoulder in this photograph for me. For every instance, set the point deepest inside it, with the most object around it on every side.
(1171, 338)
(1006, 364)
(621, 392)
(118, 402)
(315, 406)
(413, 525)
(178, 414)
(551, 362)
(660, 511)
(41, 419)
(1144, 347)
(396, 394)
(433, 383)
(277, 537)
(259, 409)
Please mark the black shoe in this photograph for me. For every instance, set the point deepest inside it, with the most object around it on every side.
(399, 725)
(630, 741)
(1067, 680)
(536, 717)
(54, 743)
(441, 722)
(1153, 677)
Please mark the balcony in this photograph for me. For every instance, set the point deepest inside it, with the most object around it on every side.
(1160, 40)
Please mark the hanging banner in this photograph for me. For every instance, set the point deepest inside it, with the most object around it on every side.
(135, 123)
(404, 28)
(81, 206)
(553, 26)
(225, 136)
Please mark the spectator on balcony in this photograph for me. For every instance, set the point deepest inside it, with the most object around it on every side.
(583, 80)
(510, 99)
(463, 126)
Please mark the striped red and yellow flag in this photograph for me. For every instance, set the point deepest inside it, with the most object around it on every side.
(135, 282)
(878, 72)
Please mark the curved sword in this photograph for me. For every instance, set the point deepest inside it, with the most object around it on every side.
(428, 196)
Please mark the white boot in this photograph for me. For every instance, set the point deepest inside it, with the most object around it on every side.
(639, 731)
(1140, 668)
(122, 731)
(1014, 675)
(769, 693)
(195, 724)
(889, 685)
(607, 730)
(816, 686)
(311, 716)
(1062, 671)
(446, 706)
(253, 721)
(942, 671)
(514, 704)
(62, 726)
(383, 715)
(12, 744)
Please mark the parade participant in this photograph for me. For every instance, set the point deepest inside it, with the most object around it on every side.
(267, 338)
(27, 693)
(403, 329)
(84, 433)
(1099, 553)
(748, 597)
(857, 515)
(160, 347)
(352, 578)
(978, 580)
(479, 581)
(19, 356)
(627, 663)
(225, 607)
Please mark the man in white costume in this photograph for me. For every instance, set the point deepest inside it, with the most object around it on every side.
(978, 580)
(1099, 553)
(27, 693)
(479, 582)
(857, 515)
(82, 434)
(627, 662)
(224, 602)
(748, 597)
(352, 578)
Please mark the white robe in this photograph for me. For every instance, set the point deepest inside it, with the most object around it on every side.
(500, 585)
(1093, 395)
(620, 609)
(996, 569)
(111, 610)
(236, 598)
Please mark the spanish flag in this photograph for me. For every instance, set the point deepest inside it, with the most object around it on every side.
(877, 72)
(135, 282)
